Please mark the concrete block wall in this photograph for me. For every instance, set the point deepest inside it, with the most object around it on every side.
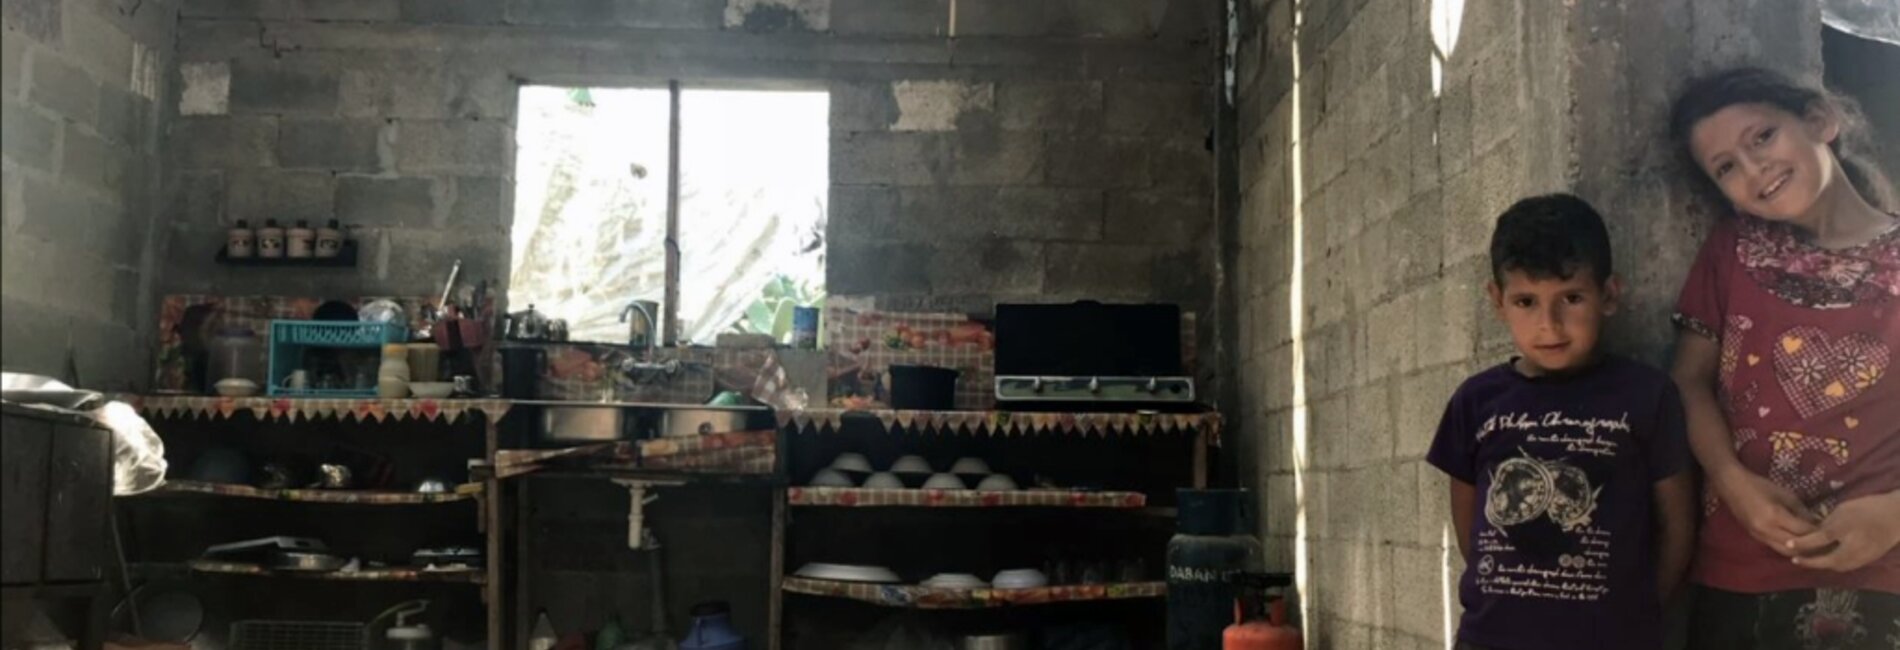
(80, 96)
(1029, 151)
(1378, 139)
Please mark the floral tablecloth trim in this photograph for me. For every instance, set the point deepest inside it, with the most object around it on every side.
(295, 409)
(462, 492)
(888, 498)
(1014, 423)
(917, 597)
(403, 574)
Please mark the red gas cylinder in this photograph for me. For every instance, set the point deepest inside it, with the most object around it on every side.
(1250, 631)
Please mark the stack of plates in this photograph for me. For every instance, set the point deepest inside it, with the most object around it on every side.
(846, 573)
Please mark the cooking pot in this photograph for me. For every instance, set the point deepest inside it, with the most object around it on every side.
(586, 424)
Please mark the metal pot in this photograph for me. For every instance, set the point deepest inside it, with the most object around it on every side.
(681, 423)
(586, 424)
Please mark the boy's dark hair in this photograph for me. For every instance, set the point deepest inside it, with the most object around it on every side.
(1706, 95)
(1550, 237)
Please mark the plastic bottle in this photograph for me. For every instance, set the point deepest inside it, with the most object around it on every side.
(236, 353)
(299, 240)
(240, 242)
(270, 240)
(329, 240)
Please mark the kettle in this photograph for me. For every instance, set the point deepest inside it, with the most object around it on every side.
(527, 325)
(641, 330)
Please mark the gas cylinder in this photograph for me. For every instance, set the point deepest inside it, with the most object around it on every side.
(1250, 630)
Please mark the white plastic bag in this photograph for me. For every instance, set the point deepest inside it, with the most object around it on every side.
(138, 455)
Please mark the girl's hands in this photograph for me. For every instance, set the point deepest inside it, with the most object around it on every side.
(1772, 514)
(1855, 534)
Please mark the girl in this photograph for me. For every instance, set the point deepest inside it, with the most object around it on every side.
(1790, 326)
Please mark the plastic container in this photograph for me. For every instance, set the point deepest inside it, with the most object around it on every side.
(712, 629)
(270, 240)
(1211, 546)
(237, 353)
(300, 240)
(240, 242)
(290, 340)
(329, 240)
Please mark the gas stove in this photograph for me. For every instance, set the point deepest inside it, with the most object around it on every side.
(1104, 390)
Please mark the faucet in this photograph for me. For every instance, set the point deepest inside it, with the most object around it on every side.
(641, 332)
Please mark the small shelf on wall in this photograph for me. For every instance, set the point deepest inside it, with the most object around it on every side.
(918, 597)
(392, 574)
(835, 497)
(345, 258)
(463, 492)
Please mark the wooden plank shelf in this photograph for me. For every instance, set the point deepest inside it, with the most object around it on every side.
(834, 497)
(464, 492)
(393, 574)
(1009, 423)
(918, 597)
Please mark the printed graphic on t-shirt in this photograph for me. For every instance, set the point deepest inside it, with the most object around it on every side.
(1542, 542)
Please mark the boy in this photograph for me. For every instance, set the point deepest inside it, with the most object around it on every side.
(1570, 488)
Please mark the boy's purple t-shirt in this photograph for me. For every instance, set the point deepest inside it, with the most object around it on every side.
(1562, 547)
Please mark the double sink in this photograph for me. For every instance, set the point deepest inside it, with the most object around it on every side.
(580, 423)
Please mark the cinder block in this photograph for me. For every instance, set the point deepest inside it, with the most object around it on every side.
(127, 287)
(223, 142)
(374, 201)
(335, 145)
(874, 269)
(27, 139)
(1010, 213)
(278, 88)
(1003, 18)
(1420, 575)
(122, 116)
(937, 105)
(766, 16)
(453, 12)
(989, 268)
(64, 89)
(94, 43)
(1182, 164)
(426, 92)
(264, 9)
(1434, 504)
(1050, 105)
(862, 106)
(92, 163)
(1111, 271)
(1475, 198)
(197, 200)
(13, 54)
(888, 159)
(286, 196)
(57, 213)
(997, 158)
(1159, 109)
(1098, 161)
(482, 204)
(1165, 219)
(350, 10)
(39, 19)
(207, 88)
(890, 17)
(454, 146)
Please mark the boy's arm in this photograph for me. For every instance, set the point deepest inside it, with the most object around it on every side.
(1464, 508)
(1675, 531)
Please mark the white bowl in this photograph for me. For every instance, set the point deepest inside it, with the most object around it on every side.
(828, 477)
(997, 483)
(945, 482)
(1020, 579)
(236, 387)
(955, 581)
(884, 481)
(852, 462)
(970, 465)
(431, 389)
(846, 572)
(912, 464)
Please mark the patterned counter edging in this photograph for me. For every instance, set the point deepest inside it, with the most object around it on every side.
(462, 492)
(909, 596)
(1011, 423)
(888, 498)
(471, 576)
(294, 409)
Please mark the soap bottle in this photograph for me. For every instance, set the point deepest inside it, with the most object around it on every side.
(270, 240)
(329, 240)
(298, 240)
(240, 242)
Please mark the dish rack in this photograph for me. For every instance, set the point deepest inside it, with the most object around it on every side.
(297, 635)
(291, 339)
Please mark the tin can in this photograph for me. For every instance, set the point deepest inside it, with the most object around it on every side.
(805, 327)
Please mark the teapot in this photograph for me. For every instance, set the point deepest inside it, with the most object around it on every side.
(527, 325)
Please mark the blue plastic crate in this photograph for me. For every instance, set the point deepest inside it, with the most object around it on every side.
(289, 339)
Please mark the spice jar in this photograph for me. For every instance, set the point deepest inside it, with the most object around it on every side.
(270, 240)
(330, 240)
(240, 242)
(299, 240)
